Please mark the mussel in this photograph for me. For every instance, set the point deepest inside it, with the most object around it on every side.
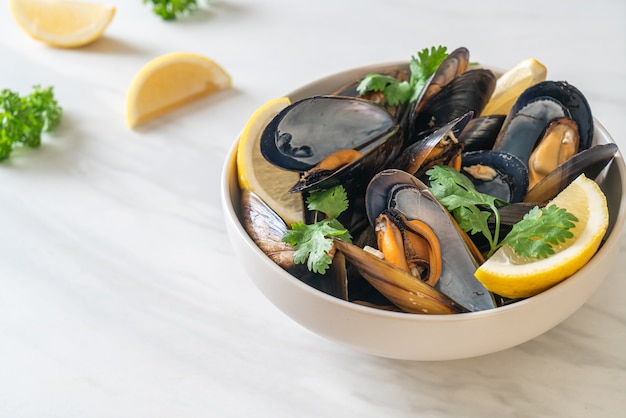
(566, 94)
(441, 147)
(331, 140)
(267, 229)
(403, 194)
(481, 132)
(402, 289)
(469, 91)
(496, 173)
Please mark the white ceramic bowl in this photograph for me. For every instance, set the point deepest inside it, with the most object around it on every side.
(411, 336)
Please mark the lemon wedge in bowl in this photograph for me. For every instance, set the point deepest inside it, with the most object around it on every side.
(170, 81)
(256, 174)
(62, 23)
(512, 83)
(513, 277)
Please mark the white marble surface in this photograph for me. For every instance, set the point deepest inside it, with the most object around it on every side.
(119, 293)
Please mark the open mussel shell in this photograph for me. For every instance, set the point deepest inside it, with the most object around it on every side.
(396, 189)
(469, 91)
(496, 173)
(522, 130)
(589, 162)
(452, 66)
(267, 228)
(481, 132)
(306, 132)
(440, 147)
(570, 97)
(402, 289)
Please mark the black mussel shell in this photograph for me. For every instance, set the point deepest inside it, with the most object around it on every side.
(452, 66)
(510, 180)
(523, 129)
(417, 158)
(589, 162)
(309, 130)
(481, 132)
(469, 91)
(306, 132)
(570, 97)
(399, 190)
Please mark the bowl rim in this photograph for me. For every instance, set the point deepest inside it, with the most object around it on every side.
(229, 183)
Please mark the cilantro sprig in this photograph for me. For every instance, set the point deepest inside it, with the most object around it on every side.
(398, 92)
(24, 119)
(534, 236)
(540, 230)
(314, 242)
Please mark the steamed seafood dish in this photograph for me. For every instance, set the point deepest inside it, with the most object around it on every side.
(417, 197)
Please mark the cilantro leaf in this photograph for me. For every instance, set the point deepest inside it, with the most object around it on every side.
(398, 92)
(534, 236)
(539, 230)
(424, 66)
(331, 202)
(314, 242)
(470, 208)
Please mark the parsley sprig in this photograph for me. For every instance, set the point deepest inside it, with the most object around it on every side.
(534, 236)
(172, 9)
(398, 92)
(23, 119)
(314, 242)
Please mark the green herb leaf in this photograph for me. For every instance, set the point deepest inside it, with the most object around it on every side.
(424, 66)
(540, 230)
(534, 236)
(331, 202)
(314, 242)
(398, 92)
(172, 9)
(23, 119)
(470, 208)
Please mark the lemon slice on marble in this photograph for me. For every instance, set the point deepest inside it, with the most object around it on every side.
(256, 174)
(170, 81)
(62, 23)
(510, 276)
(512, 83)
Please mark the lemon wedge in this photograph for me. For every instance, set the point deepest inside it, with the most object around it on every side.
(512, 83)
(170, 81)
(256, 174)
(509, 276)
(62, 23)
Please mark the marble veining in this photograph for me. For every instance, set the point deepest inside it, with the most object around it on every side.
(119, 293)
